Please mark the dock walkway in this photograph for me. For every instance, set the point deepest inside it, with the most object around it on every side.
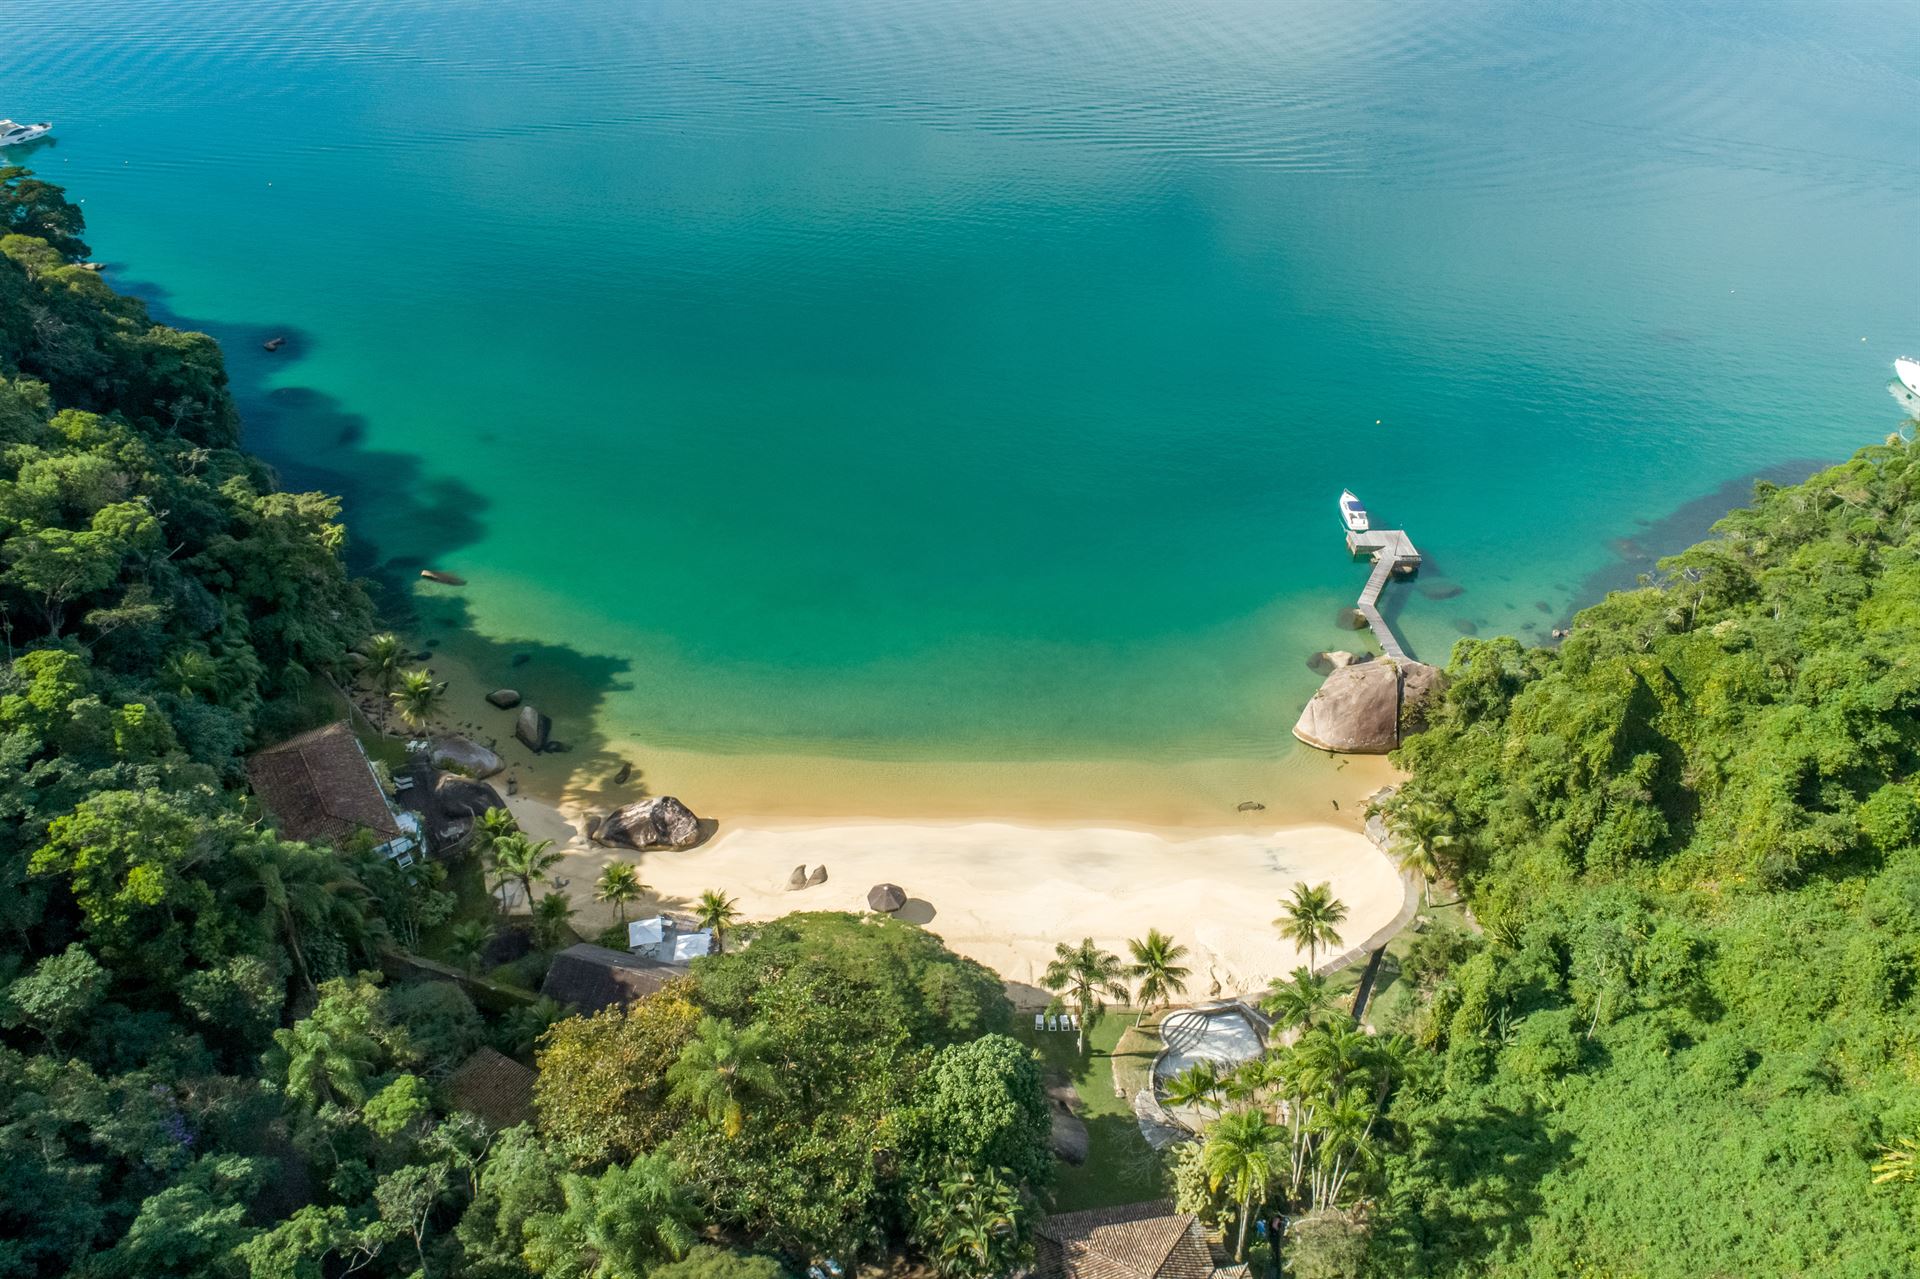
(1393, 552)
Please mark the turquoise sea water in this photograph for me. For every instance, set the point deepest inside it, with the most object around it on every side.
(974, 381)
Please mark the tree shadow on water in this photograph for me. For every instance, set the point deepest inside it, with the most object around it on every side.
(401, 518)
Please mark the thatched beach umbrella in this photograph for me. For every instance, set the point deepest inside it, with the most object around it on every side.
(886, 898)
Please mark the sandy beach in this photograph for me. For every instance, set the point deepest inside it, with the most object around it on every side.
(1005, 894)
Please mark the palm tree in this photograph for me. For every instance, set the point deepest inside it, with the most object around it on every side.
(551, 916)
(517, 858)
(1344, 1140)
(383, 658)
(1898, 1162)
(1420, 832)
(717, 911)
(1092, 976)
(417, 697)
(619, 884)
(722, 1071)
(1310, 917)
(308, 892)
(1239, 1155)
(1299, 1001)
(968, 1223)
(614, 1225)
(1156, 967)
(1197, 1085)
(469, 943)
(491, 825)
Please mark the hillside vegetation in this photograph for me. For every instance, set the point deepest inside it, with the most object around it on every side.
(1692, 835)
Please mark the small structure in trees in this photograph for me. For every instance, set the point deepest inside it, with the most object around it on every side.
(320, 787)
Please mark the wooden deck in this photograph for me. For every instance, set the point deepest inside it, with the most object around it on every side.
(1393, 552)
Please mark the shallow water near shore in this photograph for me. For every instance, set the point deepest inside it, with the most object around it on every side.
(888, 407)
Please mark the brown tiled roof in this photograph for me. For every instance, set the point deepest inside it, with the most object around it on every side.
(493, 1086)
(1136, 1241)
(590, 977)
(319, 786)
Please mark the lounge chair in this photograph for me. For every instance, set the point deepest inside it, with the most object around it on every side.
(1039, 1021)
(1076, 1023)
(1052, 1022)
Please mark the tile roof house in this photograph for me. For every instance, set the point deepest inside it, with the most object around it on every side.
(588, 977)
(493, 1086)
(321, 787)
(1135, 1241)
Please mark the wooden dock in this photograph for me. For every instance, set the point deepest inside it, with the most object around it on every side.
(1393, 552)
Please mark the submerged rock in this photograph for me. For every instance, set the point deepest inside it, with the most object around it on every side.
(533, 729)
(626, 771)
(1367, 708)
(505, 698)
(659, 822)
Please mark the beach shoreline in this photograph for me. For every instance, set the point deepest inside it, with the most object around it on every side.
(1005, 893)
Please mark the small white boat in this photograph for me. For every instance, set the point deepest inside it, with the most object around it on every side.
(12, 131)
(1907, 369)
(1352, 514)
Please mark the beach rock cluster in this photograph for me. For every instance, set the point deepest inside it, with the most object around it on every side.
(801, 879)
(658, 822)
(1368, 708)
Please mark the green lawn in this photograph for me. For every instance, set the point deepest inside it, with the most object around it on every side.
(1121, 1167)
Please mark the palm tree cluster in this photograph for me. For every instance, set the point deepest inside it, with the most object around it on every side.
(1303, 1123)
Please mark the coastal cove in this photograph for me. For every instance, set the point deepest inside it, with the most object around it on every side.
(833, 445)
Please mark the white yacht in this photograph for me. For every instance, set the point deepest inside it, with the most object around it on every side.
(1352, 514)
(12, 132)
(1907, 369)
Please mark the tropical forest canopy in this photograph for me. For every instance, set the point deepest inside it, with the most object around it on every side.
(1692, 835)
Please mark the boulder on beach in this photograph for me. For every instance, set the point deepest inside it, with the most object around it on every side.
(799, 877)
(591, 828)
(659, 822)
(505, 698)
(1358, 710)
(818, 877)
(464, 755)
(532, 728)
(456, 796)
(626, 771)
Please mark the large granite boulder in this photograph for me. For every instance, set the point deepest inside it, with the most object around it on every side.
(533, 729)
(1358, 710)
(456, 796)
(659, 822)
(464, 755)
